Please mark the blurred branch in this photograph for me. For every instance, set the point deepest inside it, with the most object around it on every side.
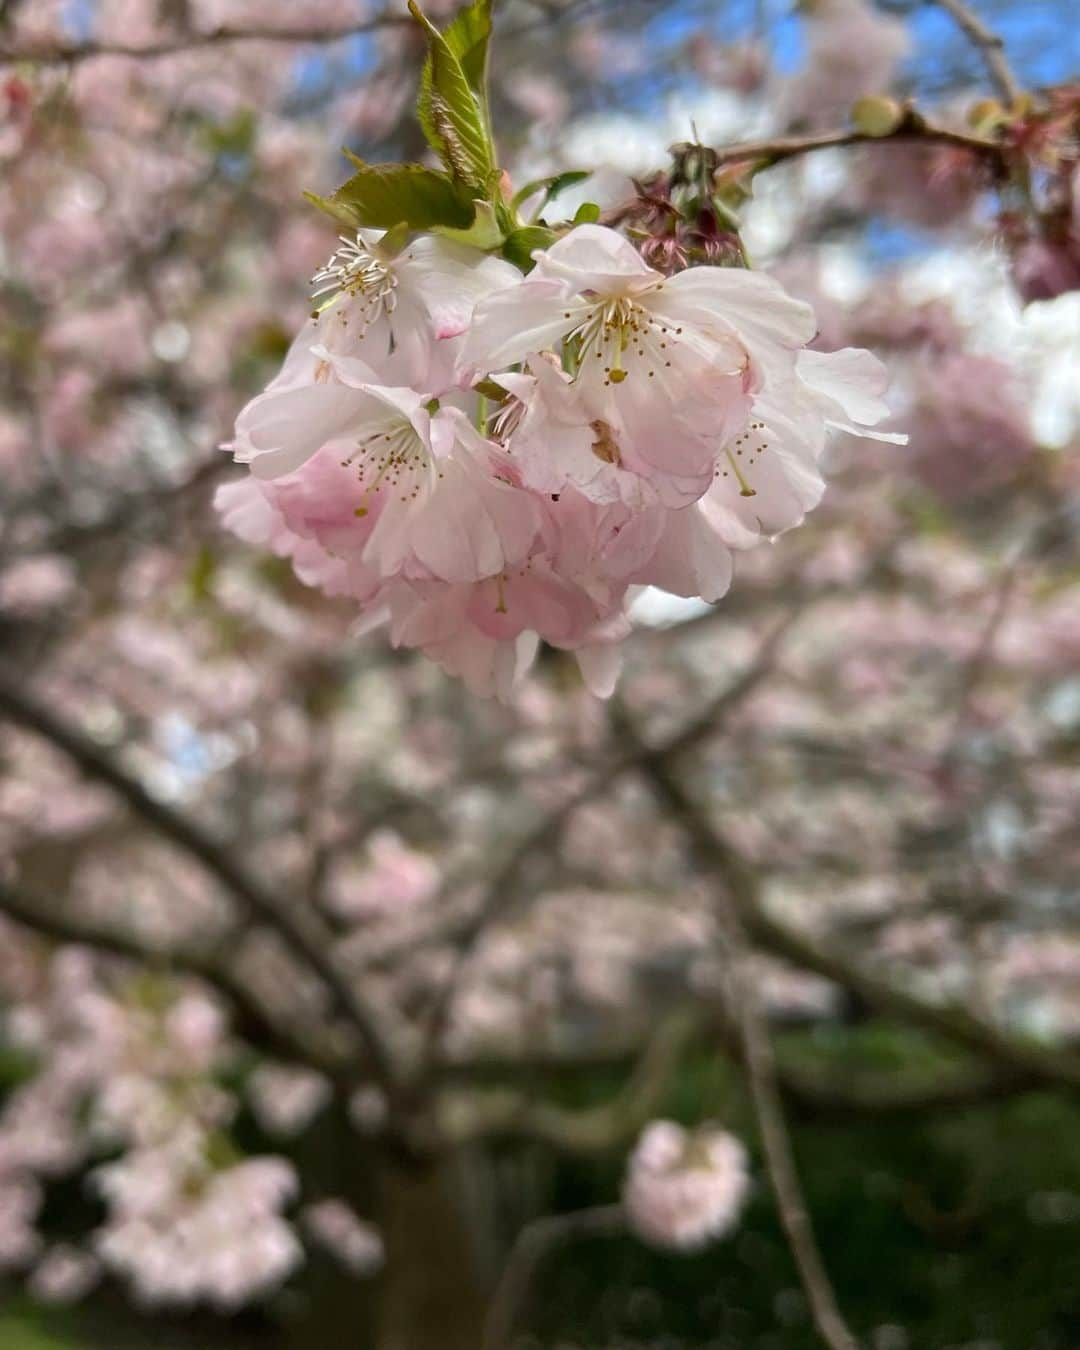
(300, 928)
(1026, 1059)
(272, 1035)
(760, 1067)
(818, 1093)
(586, 1132)
(70, 53)
(990, 47)
(979, 664)
(508, 877)
(913, 128)
(533, 1244)
(757, 1056)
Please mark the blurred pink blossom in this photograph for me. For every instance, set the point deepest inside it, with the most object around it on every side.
(683, 1189)
(356, 1244)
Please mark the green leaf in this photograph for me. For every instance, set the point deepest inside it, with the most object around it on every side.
(233, 136)
(484, 233)
(452, 113)
(552, 186)
(468, 37)
(202, 574)
(381, 196)
(519, 245)
(335, 210)
(588, 213)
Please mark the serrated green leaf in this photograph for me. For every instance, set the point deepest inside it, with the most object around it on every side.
(519, 245)
(452, 113)
(468, 36)
(484, 233)
(551, 187)
(381, 196)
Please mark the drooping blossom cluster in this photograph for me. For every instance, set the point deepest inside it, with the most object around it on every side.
(685, 1189)
(187, 1217)
(486, 460)
(183, 1228)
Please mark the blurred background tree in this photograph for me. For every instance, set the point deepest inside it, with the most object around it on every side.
(335, 999)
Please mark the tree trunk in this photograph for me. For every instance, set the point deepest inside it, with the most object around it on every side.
(433, 1295)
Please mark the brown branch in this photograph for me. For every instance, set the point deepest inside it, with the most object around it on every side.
(821, 1094)
(69, 53)
(757, 1056)
(990, 47)
(301, 929)
(776, 149)
(509, 1114)
(503, 887)
(532, 1245)
(273, 1035)
(776, 1143)
(1025, 1059)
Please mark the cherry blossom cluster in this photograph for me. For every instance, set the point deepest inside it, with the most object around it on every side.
(486, 460)
(187, 1217)
(684, 1189)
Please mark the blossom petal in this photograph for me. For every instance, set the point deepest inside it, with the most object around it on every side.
(595, 258)
(852, 380)
(449, 279)
(600, 667)
(517, 323)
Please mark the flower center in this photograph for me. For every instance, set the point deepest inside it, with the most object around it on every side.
(743, 454)
(620, 335)
(395, 459)
(354, 271)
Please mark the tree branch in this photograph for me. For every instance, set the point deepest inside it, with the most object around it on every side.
(70, 53)
(503, 887)
(776, 149)
(301, 929)
(506, 1113)
(1025, 1059)
(533, 1244)
(757, 1055)
(776, 1143)
(990, 47)
(256, 1023)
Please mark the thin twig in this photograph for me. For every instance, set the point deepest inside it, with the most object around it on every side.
(776, 1143)
(757, 1057)
(543, 838)
(502, 1112)
(990, 47)
(776, 149)
(533, 1244)
(279, 1036)
(979, 664)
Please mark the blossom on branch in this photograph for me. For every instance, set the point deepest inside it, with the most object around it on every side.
(605, 427)
(486, 452)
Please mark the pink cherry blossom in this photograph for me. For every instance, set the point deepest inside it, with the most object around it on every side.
(683, 1189)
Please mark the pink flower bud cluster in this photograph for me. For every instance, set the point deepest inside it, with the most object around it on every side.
(684, 1189)
(484, 460)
